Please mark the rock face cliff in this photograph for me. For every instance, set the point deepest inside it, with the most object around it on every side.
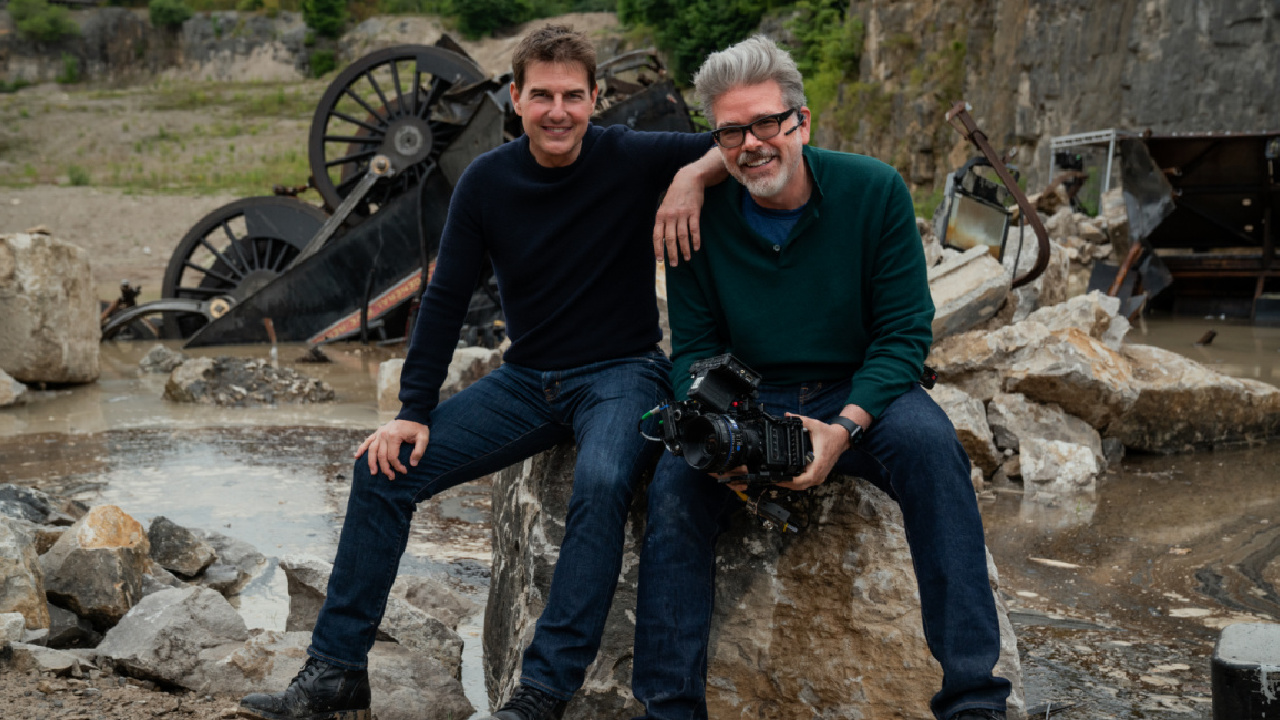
(1034, 69)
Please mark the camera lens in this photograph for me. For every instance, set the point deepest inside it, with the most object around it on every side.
(712, 443)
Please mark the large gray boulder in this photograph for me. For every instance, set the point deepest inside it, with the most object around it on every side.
(22, 589)
(967, 290)
(1182, 404)
(823, 624)
(96, 568)
(169, 635)
(48, 311)
(402, 622)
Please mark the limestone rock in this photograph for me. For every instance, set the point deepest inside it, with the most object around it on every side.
(1094, 313)
(43, 660)
(266, 662)
(1078, 373)
(435, 597)
(966, 290)
(12, 392)
(1058, 466)
(48, 311)
(970, 420)
(11, 626)
(823, 624)
(389, 384)
(1183, 404)
(412, 686)
(32, 505)
(229, 381)
(177, 549)
(1014, 419)
(237, 565)
(468, 365)
(167, 635)
(308, 581)
(160, 359)
(416, 630)
(95, 569)
(159, 579)
(23, 588)
(402, 622)
(1047, 290)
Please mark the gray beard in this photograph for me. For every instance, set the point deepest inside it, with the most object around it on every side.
(760, 187)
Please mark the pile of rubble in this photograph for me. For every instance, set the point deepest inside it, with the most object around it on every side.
(92, 590)
(1043, 388)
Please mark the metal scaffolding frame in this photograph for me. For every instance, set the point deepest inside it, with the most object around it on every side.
(1096, 138)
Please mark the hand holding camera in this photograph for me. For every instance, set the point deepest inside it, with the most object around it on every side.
(723, 426)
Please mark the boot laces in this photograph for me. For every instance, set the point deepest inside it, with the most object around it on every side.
(311, 669)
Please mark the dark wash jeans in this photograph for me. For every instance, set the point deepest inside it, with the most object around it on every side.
(912, 453)
(507, 416)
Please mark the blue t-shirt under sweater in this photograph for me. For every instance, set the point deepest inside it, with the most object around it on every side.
(773, 225)
(571, 249)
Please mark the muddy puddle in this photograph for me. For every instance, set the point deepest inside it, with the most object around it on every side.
(1117, 596)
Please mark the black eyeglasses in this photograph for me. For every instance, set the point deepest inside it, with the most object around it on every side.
(731, 136)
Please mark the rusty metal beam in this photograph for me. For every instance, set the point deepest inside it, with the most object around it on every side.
(969, 131)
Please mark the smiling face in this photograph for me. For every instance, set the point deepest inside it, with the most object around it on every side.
(554, 106)
(771, 170)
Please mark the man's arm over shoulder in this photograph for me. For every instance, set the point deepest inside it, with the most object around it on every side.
(901, 305)
(444, 306)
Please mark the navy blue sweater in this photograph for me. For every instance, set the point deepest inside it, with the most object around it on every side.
(571, 249)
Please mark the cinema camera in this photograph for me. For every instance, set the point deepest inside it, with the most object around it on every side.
(723, 426)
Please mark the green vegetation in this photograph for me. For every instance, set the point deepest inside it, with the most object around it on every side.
(168, 13)
(327, 17)
(690, 29)
(322, 62)
(12, 87)
(829, 49)
(77, 175)
(38, 20)
(70, 73)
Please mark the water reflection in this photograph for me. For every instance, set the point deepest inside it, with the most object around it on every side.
(1238, 349)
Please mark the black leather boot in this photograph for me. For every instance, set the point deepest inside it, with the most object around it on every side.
(528, 703)
(319, 691)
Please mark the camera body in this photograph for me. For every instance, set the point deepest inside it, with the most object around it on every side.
(723, 425)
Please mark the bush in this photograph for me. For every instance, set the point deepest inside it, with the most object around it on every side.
(327, 17)
(38, 20)
(689, 30)
(11, 87)
(168, 13)
(78, 175)
(322, 62)
(482, 17)
(70, 70)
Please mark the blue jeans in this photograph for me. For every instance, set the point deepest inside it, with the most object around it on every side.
(911, 452)
(507, 416)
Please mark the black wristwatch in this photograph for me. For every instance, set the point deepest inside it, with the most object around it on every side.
(855, 430)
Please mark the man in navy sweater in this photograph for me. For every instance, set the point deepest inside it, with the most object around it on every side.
(564, 212)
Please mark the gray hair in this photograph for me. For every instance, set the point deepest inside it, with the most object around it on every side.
(751, 62)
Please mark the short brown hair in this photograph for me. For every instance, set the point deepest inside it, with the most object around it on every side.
(554, 44)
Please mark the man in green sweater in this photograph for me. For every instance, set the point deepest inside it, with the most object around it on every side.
(813, 274)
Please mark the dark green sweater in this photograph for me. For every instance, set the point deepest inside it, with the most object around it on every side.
(848, 296)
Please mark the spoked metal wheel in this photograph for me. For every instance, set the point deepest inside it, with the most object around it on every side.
(386, 103)
(234, 251)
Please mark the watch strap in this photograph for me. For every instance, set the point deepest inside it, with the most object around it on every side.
(855, 430)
